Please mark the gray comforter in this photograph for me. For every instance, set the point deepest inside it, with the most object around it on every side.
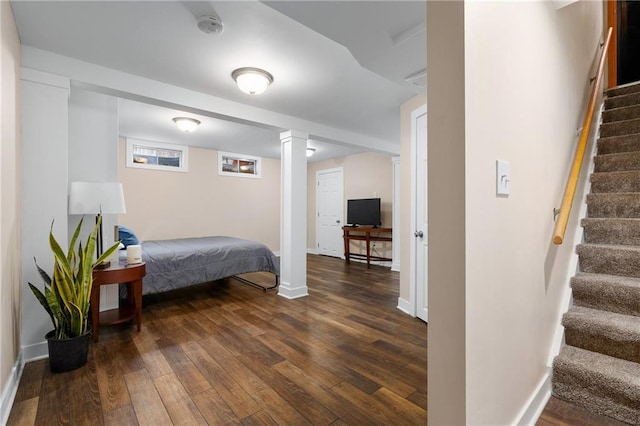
(172, 264)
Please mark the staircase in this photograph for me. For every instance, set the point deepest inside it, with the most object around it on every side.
(599, 367)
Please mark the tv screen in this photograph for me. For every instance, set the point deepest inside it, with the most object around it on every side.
(364, 211)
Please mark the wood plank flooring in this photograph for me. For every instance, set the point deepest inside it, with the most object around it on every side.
(226, 353)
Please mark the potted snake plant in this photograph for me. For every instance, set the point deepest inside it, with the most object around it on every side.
(67, 297)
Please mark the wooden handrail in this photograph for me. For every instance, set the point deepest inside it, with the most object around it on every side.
(572, 182)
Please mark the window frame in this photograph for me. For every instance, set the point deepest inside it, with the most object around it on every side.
(184, 155)
(240, 157)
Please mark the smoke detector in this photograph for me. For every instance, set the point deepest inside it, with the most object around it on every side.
(210, 24)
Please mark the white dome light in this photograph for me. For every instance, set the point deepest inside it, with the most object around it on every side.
(186, 124)
(252, 80)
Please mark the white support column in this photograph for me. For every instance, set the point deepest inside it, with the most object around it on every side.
(293, 216)
(45, 100)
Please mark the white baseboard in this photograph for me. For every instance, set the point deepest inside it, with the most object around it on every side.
(395, 266)
(405, 306)
(312, 251)
(10, 389)
(35, 352)
(534, 406)
(292, 293)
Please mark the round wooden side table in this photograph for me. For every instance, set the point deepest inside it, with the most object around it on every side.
(131, 275)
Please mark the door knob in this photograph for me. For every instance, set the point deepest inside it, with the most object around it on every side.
(418, 234)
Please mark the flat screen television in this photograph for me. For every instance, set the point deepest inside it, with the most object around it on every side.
(363, 212)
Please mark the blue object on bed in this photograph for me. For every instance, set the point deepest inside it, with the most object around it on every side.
(127, 237)
(173, 264)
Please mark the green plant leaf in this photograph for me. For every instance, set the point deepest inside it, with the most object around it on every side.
(59, 255)
(72, 244)
(43, 301)
(43, 273)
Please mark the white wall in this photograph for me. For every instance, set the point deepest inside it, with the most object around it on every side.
(44, 180)
(516, 89)
(10, 207)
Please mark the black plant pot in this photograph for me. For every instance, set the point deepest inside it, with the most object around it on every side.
(67, 354)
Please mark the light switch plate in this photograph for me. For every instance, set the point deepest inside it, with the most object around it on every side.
(503, 178)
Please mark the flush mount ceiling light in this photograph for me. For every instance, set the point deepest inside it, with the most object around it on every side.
(252, 80)
(310, 151)
(186, 124)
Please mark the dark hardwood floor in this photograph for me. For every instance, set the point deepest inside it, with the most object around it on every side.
(226, 353)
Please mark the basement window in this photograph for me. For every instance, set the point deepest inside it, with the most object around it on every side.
(157, 156)
(239, 165)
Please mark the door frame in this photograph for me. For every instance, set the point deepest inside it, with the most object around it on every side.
(612, 55)
(318, 173)
(413, 285)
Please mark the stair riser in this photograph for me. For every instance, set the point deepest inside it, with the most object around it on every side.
(620, 128)
(605, 302)
(612, 232)
(622, 101)
(615, 182)
(601, 344)
(625, 90)
(610, 261)
(613, 205)
(617, 162)
(569, 389)
(618, 144)
(620, 114)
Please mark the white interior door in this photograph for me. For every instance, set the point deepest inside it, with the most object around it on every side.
(330, 205)
(419, 225)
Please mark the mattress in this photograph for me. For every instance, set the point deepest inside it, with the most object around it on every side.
(173, 264)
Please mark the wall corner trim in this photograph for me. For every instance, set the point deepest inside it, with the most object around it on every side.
(405, 306)
(10, 389)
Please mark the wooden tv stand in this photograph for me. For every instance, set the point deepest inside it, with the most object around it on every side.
(368, 234)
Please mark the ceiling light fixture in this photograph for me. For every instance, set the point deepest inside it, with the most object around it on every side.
(310, 151)
(186, 124)
(252, 80)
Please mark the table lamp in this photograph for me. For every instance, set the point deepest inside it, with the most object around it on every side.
(97, 198)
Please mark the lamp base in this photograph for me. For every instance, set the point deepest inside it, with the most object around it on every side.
(103, 265)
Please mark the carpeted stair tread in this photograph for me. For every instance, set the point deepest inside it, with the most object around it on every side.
(618, 162)
(609, 259)
(622, 231)
(624, 89)
(620, 114)
(620, 128)
(627, 181)
(608, 333)
(629, 99)
(611, 293)
(614, 204)
(597, 382)
(615, 144)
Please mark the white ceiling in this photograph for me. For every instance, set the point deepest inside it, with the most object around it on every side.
(316, 51)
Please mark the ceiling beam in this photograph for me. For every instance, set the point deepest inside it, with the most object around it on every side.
(117, 83)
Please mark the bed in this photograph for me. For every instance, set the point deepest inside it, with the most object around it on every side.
(173, 264)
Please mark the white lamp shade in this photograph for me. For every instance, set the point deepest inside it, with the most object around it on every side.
(186, 124)
(252, 80)
(96, 197)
